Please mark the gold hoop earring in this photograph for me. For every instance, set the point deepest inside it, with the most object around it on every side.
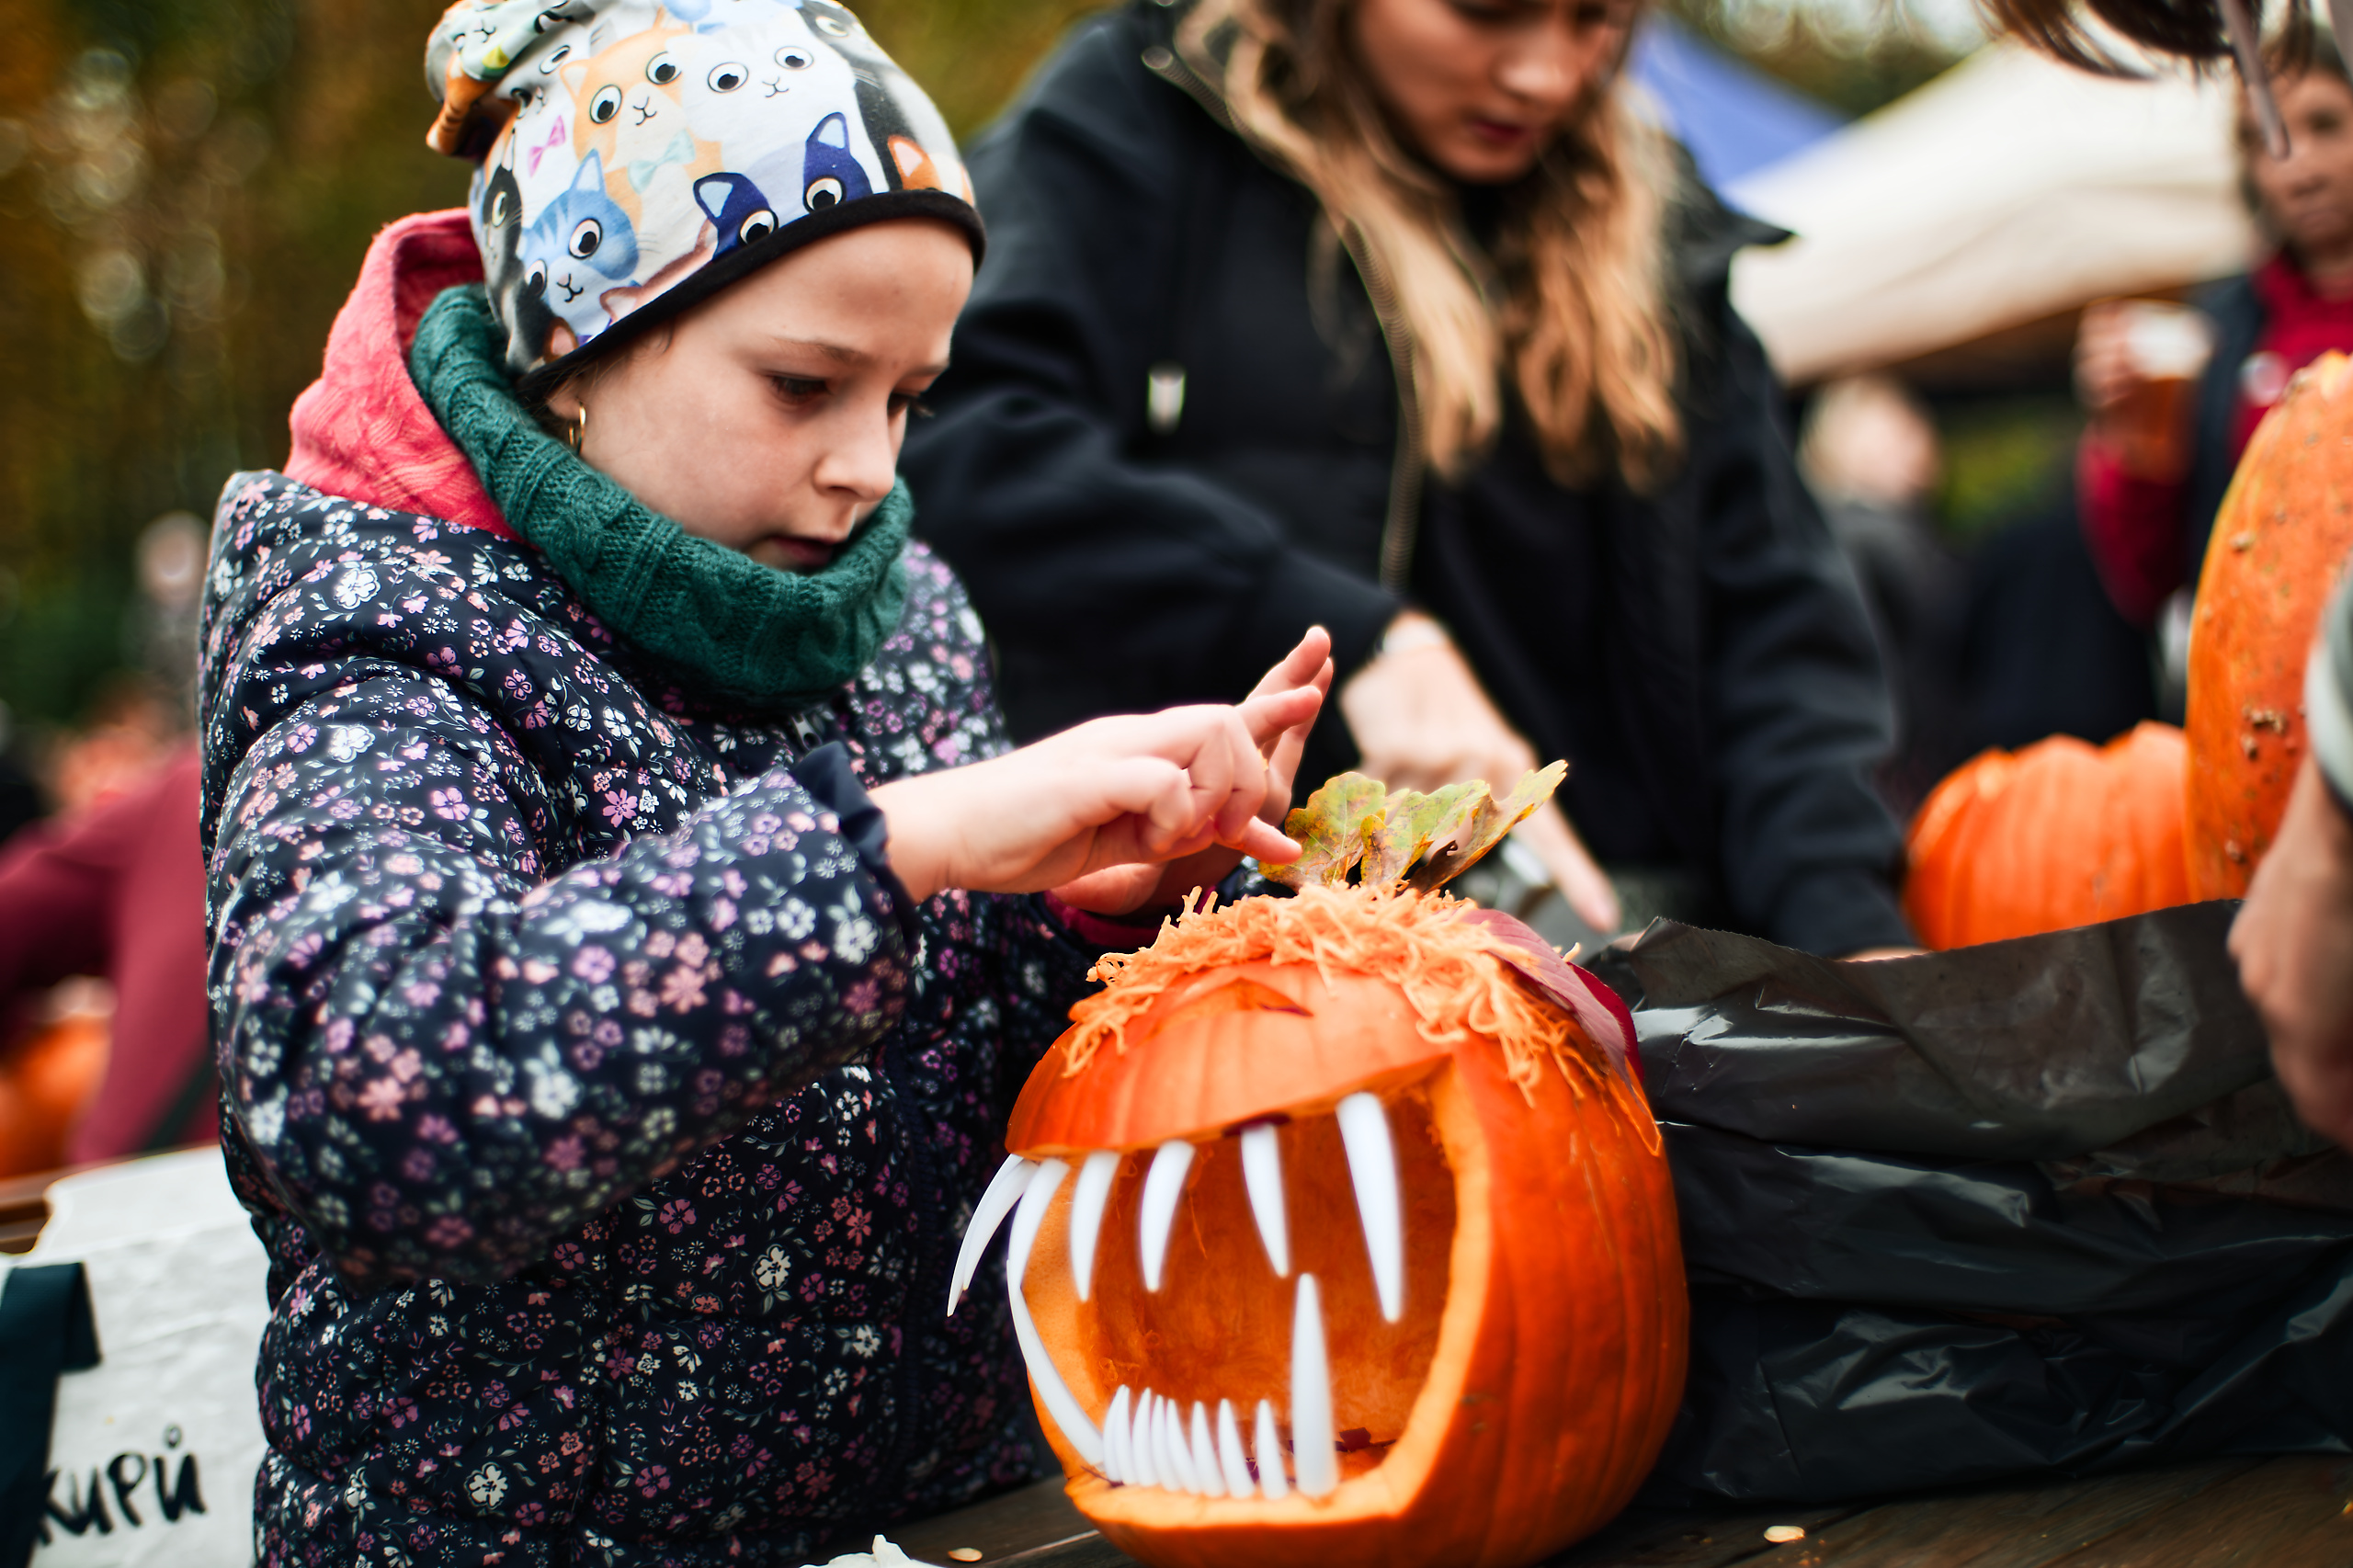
(578, 431)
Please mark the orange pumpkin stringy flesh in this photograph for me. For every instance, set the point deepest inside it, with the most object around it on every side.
(2058, 835)
(2277, 546)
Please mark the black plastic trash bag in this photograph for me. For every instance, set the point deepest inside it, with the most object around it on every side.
(2038, 1205)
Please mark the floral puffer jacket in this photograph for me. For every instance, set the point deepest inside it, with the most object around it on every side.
(609, 1125)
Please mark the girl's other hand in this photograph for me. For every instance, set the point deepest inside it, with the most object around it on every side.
(2293, 941)
(1421, 721)
(1114, 795)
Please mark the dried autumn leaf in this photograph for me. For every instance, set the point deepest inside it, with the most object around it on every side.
(1412, 823)
(1332, 831)
(1482, 826)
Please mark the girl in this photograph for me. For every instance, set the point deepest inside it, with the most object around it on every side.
(626, 938)
(1392, 316)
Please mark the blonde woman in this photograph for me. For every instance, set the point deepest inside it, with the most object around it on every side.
(1396, 316)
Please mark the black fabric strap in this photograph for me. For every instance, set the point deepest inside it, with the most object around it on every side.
(201, 1087)
(45, 1329)
(825, 773)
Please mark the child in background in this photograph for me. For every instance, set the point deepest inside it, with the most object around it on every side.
(627, 917)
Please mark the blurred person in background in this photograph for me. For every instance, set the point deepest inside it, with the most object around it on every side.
(1393, 316)
(2293, 936)
(1872, 454)
(2150, 471)
(112, 888)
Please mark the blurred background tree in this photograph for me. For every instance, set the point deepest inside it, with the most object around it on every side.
(188, 187)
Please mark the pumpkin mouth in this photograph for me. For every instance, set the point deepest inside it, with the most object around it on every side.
(1243, 1313)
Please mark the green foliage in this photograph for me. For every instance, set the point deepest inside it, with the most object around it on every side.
(970, 55)
(2003, 456)
(187, 185)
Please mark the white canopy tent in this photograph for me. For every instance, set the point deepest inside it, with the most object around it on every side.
(2007, 190)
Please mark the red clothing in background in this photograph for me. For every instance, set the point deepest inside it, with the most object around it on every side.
(2135, 527)
(119, 892)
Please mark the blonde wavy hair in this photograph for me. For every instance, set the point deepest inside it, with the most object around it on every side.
(1571, 295)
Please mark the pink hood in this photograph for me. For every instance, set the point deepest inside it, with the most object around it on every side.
(361, 430)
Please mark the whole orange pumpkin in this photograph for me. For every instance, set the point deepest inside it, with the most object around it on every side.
(1340, 1232)
(44, 1084)
(2283, 535)
(2058, 835)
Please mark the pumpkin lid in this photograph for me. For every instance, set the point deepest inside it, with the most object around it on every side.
(1281, 1007)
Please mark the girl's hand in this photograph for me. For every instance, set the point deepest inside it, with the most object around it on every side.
(1140, 789)
(1421, 721)
(1126, 889)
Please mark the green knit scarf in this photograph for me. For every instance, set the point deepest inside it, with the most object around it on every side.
(718, 619)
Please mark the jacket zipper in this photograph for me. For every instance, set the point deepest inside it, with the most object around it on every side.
(1400, 528)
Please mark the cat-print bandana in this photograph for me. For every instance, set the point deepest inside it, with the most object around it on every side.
(636, 157)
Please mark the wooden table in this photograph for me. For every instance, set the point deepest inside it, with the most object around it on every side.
(2286, 1512)
(24, 1208)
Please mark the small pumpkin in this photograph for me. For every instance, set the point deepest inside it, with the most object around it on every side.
(1341, 1230)
(2058, 835)
(44, 1084)
(2281, 538)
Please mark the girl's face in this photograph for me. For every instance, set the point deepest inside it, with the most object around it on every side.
(770, 418)
(2309, 194)
(1478, 87)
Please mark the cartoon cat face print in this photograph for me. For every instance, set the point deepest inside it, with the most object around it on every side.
(739, 209)
(629, 116)
(772, 95)
(495, 205)
(758, 91)
(497, 211)
(898, 115)
(744, 214)
(830, 174)
(541, 127)
(583, 242)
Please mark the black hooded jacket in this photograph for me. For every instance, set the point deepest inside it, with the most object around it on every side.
(1170, 442)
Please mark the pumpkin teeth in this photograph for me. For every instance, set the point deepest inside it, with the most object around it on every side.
(1140, 1447)
(1148, 1440)
(1162, 1185)
(1004, 1189)
(1373, 1166)
(1270, 1454)
(1229, 1452)
(1062, 1407)
(1119, 1461)
(1206, 1469)
(1175, 1454)
(1312, 1438)
(1087, 1204)
(1262, 1173)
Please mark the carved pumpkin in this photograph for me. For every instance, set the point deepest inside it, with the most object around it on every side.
(2279, 542)
(1340, 1228)
(2059, 834)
